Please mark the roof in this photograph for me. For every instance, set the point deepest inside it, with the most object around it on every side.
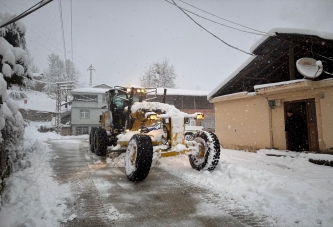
(270, 63)
(173, 91)
(90, 90)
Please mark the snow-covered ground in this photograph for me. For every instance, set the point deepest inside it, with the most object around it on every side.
(289, 190)
(35, 100)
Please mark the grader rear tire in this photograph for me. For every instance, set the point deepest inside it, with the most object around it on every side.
(209, 151)
(92, 139)
(138, 157)
(100, 142)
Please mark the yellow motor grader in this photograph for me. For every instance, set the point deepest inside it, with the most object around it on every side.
(139, 127)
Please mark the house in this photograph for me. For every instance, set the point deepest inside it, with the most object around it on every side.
(190, 101)
(87, 106)
(251, 104)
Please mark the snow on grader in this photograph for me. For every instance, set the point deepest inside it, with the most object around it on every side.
(135, 125)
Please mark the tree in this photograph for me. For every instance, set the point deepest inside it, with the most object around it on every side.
(14, 62)
(159, 74)
(57, 72)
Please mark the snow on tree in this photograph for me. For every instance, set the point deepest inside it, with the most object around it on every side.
(160, 74)
(14, 65)
(14, 61)
(57, 72)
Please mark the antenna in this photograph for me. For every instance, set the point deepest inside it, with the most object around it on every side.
(309, 67)
(91, 69)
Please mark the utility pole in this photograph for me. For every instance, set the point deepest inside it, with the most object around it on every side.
(63, 90)
(91, 69)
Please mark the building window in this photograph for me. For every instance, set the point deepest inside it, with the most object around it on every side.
(85, 98)
(104, 98)
(82, 130)
(208, 123)
(84, 113)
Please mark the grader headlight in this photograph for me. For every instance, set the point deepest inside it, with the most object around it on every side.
(200, 116)
(152, 117)
(129, 90)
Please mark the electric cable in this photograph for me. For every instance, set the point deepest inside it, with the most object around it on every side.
(72, 30)
(212, 33)
(254, 33)
(63, 32)
(224, 18)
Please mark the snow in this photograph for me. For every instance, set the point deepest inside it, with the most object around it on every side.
(7, 71)
(324, 35)
(3, 84)
(35, 101)
(32, 197)
(283, 83)
(12, 105)
(289, 190)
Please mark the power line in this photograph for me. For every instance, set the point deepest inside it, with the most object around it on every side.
(210, 32)
(72, 31)
(254, 33)
(223, 18)
(63, 32)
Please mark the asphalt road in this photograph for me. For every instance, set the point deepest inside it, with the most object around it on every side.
(105, 197)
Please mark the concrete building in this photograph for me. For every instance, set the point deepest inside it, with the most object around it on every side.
(251, 104)
(86, 108)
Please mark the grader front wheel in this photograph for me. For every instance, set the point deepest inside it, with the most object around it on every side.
(138, 157)
(208, 154)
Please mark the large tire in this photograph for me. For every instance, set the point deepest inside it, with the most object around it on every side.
(138, 157)
(209, 151)
(92, 139)
(100, 142)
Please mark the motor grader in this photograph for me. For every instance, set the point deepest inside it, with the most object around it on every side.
(134, 124)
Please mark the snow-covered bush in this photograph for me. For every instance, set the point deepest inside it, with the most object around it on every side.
(11, 134)
(17, 95)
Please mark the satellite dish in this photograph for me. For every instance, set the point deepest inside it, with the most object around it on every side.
(309, 67)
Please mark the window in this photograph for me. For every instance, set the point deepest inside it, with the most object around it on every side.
(84, 113)
(85, 98)
(104, 100)
(81, 130)
(208, 123)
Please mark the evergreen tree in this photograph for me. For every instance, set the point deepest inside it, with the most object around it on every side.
(159, 74)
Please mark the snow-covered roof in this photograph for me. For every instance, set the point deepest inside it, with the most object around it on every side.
(272, 32)
(173, 91)
(255, 47)
(90, 90)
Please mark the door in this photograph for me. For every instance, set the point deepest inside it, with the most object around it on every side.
(312, 125)
(306, 109)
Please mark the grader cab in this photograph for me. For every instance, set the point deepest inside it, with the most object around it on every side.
(135, 125)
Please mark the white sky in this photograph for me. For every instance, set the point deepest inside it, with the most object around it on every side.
(123, 38)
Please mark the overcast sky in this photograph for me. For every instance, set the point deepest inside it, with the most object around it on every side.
(121, 39)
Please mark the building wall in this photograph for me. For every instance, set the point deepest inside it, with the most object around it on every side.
(324, 113)
(95, 109)
(243, 123)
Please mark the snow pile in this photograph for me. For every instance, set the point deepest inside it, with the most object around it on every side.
(288, 189)
(32, 197)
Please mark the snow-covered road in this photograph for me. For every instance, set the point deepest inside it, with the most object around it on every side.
(286, 190)
(104, 196)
